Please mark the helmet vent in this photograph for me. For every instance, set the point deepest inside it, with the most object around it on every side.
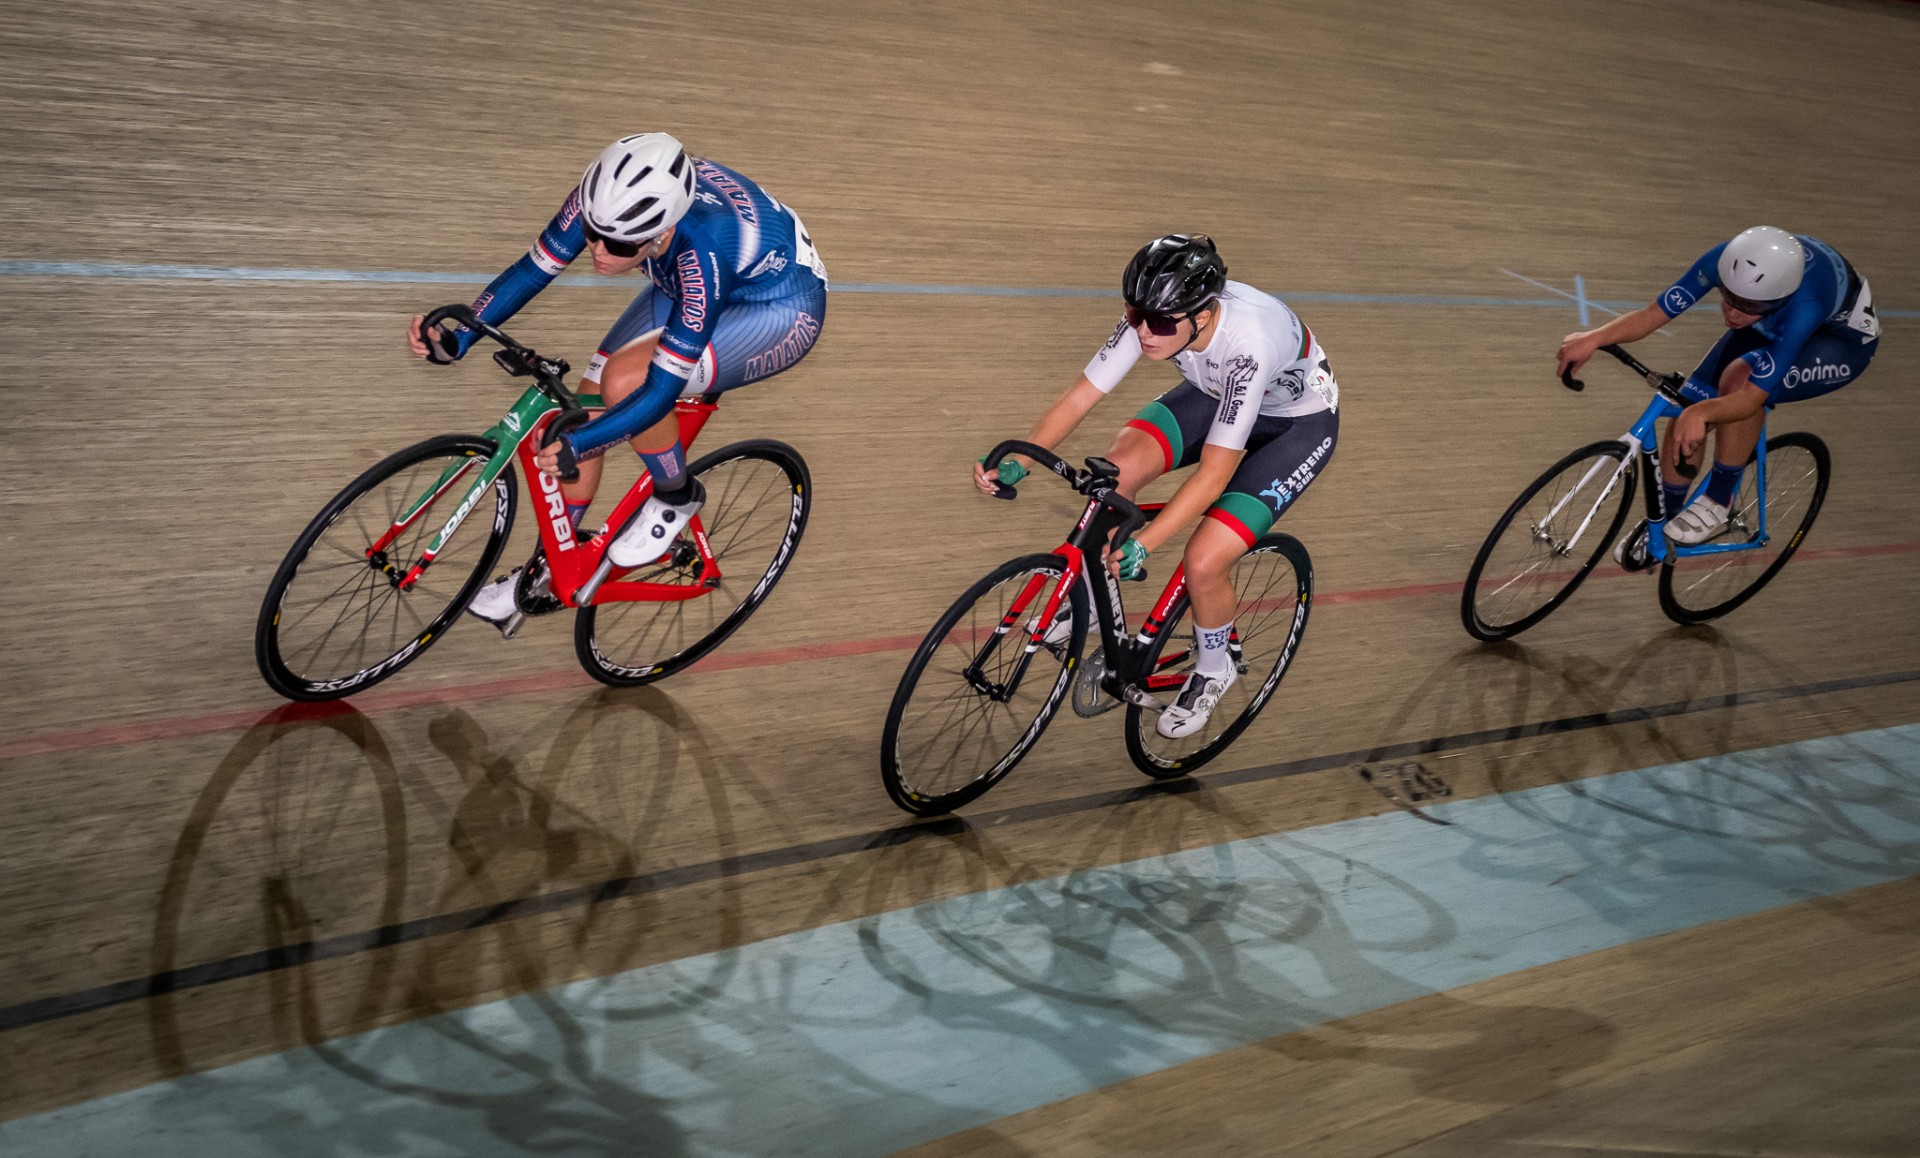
(638, 177)
(651, 222)
(639, 207)
(679, 163)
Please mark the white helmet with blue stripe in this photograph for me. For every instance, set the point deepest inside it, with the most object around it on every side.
(638, 187)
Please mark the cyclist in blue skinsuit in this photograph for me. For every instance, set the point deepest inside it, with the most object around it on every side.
(737, 294)
(1800, 323)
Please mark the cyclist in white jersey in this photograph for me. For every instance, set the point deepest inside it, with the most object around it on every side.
(1258, 410)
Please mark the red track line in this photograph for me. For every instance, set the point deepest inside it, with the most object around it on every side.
(181, 727)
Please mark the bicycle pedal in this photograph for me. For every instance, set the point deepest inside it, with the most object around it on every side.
(510, 626)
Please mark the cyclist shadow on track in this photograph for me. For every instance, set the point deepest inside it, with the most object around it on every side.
(623, 772)
(1739, 811)
(304, 812)
(1229, 943)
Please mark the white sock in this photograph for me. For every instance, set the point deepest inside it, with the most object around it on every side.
(1214, 660)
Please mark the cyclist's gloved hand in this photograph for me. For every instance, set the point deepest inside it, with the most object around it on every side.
(1133, 560)
(557, 458)
(1010, 472)
(435, 344)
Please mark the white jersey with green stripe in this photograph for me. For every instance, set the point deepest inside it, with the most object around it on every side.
(1261, 360)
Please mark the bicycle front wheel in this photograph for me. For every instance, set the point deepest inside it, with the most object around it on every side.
(335, 620)
(978, 693)
(1543, 548)
(1274, 582)
(758, 497)
(1696, 588)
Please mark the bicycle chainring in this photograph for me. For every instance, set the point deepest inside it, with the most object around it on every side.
(1089, 700)
(531, 591)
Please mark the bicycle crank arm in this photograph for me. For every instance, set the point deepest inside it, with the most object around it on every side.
(1141, 698)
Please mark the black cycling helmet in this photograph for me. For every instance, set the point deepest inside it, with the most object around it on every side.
(1175, 274)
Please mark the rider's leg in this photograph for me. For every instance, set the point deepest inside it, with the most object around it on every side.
(659, 445)
(1209, 559)
(1283, 458)
(749, 342)
(1139, 458)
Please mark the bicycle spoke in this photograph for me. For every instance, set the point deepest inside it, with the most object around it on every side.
(748, 526)
(947, 739)
(338, 615)
(1544, 546)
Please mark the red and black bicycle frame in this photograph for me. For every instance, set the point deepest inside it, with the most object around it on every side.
(1084, 552)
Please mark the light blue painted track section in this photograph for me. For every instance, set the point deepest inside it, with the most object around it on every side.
(865, 1037)
(136, 272)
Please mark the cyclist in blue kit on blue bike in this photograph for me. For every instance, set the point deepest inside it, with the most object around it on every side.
(736, 293)
(1800, 323)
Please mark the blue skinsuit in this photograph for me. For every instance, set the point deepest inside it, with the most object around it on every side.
(1821, 340)
(739, 296)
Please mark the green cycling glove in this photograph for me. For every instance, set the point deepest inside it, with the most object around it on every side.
(1010, 473)
(1133, 560)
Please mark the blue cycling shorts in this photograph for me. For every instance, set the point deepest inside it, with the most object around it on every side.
(751, 341)
(1833, 356)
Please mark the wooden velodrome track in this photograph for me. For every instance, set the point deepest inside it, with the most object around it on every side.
(168, 435)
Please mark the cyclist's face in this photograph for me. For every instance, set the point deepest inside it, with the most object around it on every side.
(1160, 347)
(1736, 320)
(607, 264)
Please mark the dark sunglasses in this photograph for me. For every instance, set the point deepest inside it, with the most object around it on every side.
(613, 246)
(1757, 309)
(1162, 325)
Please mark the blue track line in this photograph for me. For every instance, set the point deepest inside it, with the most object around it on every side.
(130, 271)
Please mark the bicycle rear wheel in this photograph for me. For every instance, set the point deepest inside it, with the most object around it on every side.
(977, 695)
(334, 620)
(1696, 588)
(1274, 581)
(1543, 548)
(758, 496)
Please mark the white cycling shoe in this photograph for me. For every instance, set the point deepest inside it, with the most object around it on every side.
(1631, 551)
(495, 601)
(653, 530)
(1703, 519)
(1194, 705)
(1060, 631)
(498, 602)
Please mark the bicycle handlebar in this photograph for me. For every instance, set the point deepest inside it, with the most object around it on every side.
(1088, 482)
(1039, 454)
(516, 359)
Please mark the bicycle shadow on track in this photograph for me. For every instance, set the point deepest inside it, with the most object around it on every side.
(1147, 958)
(309, 838)
(1705, 810)
(300, 835)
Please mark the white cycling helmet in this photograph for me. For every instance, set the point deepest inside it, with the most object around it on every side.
(637, 187)
(1761, 266)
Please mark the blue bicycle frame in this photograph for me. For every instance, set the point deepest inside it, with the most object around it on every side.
(1672, 394)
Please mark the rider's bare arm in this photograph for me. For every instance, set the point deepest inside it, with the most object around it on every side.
(1207, 483)
(1054, 426)
(1739, 400)
(1576, 348)
(1060, 419)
